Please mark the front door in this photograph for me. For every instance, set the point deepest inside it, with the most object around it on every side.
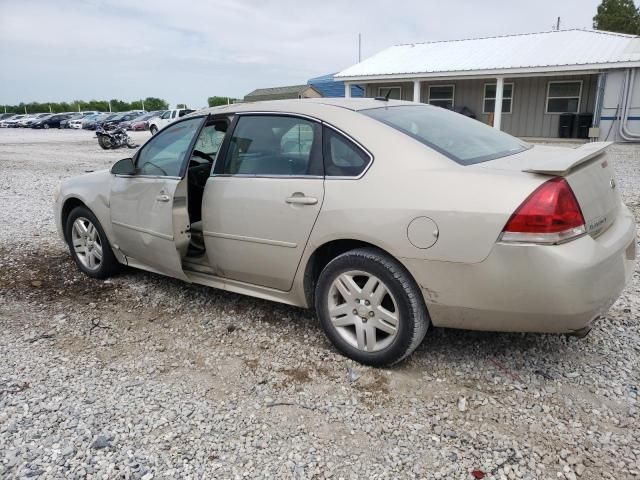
(263, 199)
(149, 211)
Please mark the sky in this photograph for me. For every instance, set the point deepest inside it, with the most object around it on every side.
(187, 50)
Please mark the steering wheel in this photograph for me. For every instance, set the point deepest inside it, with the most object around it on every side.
(198, 153)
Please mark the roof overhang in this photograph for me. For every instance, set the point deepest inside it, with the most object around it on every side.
(493, 73)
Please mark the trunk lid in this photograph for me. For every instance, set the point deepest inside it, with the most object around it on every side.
(589, 171)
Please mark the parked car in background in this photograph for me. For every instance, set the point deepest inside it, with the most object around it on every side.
(5, 116)
(281, 200)
(11, 121)
(121, 118)
(29, 119)
(76, 123)
(74, 116)
(27, 122)
(93, 121)
(51, 121)
(102, 120)
(166, 118)
(142, 122)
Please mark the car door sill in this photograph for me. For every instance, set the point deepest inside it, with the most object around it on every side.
(235, 286)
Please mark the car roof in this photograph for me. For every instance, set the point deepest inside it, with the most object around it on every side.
(303, 106)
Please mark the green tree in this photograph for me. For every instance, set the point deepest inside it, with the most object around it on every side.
(620, 16)
(153, 103)
(216, 101)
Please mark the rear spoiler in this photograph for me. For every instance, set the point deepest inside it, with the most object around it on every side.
(560, 163)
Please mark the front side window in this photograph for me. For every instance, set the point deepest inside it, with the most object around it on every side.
(165, 153)
(489, 105)
(462, 139)
(274, 145)
(441, 96)
(392, 93)
(563, 97)
(342, 157)
(166, 115)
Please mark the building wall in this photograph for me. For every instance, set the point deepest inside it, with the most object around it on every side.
(528, 117)
(611, 106)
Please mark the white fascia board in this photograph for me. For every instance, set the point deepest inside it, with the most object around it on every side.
(510, 72)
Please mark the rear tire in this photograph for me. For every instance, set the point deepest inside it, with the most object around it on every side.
(370, 307)
(104, 142)
(131, 143)
(89, 245)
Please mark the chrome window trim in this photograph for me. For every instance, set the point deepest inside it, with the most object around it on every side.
(281, 177)
(359, 145)
(149, 176)
(313, 119)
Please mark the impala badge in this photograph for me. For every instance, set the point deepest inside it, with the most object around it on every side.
(612, 183)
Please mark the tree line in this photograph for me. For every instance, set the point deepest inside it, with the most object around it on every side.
(114, 105)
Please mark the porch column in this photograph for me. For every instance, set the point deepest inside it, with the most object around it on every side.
(347, 90)
(416, 91)
(497, 113)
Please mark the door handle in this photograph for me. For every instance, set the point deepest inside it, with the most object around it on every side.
(301, 200)
(163, 197)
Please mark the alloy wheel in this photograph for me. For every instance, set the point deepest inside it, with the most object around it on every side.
(363, 311)
(87, 244)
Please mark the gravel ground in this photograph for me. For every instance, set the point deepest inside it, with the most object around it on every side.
(146, 377)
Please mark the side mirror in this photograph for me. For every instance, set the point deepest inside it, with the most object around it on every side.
(124, 167)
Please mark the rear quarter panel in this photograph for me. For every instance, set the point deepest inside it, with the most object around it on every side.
(406, 180)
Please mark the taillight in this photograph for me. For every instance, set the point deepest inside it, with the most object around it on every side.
(549, 215)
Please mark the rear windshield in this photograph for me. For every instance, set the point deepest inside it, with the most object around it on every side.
(462, 139)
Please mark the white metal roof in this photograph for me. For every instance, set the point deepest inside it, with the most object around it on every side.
(558, 51)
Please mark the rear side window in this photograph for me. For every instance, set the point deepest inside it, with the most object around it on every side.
(342, 157)
(462, 139)
(274, 145)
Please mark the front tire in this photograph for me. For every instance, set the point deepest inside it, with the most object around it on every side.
(89, 245)
(153, 129)
(370, 307)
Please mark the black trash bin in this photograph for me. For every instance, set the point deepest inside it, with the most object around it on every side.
(584, 124)
(565, 127)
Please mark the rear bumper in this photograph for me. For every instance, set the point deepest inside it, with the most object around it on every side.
(532, 288)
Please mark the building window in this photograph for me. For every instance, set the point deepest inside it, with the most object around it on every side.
(490, 98)
(564, 97)
(394, 93)
(441, 96)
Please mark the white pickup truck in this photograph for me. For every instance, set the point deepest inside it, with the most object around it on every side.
(166, 118)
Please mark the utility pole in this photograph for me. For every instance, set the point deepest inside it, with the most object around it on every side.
(557, 25)
(25, 109)
(50, 109)
(359, 47)
(142, 101)
(109, 106)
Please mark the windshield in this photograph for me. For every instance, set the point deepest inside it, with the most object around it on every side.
(462, 139)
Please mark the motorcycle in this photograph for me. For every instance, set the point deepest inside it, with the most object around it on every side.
(115, 138)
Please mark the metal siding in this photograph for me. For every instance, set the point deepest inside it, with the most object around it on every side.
(528, 117)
